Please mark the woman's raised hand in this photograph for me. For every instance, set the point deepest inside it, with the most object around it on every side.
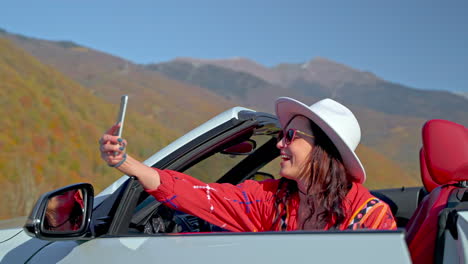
(113, 147)
(113, 152)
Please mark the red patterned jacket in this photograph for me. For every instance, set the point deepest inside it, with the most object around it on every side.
(250, 206)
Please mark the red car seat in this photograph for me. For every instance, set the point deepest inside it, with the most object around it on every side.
(426, 177)
(445, 146)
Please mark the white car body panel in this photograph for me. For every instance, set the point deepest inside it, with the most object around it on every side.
(456, 251)
(283, 248)
(8, 233)
(19, 247)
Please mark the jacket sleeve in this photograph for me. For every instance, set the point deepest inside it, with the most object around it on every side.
(379, 217)
(241, 208)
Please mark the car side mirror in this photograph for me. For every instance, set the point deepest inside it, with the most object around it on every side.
(61, 214)
(244, 148)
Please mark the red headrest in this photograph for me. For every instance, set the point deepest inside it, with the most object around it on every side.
(426, 177)
(446, 150)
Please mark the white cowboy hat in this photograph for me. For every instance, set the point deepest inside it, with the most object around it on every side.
(338, 123)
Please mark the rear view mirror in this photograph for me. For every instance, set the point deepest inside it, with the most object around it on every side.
(244, 148)
(63, 213)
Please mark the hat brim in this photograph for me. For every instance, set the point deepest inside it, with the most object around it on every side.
(286, 108)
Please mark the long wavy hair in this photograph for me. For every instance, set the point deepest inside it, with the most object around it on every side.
(327, 184)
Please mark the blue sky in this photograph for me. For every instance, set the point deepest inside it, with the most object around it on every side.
(422, 44)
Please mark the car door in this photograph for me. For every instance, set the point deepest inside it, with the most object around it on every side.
(290, 247)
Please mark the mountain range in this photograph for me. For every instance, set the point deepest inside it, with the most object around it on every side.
(317, 78)
(64, 95)
(464, 94)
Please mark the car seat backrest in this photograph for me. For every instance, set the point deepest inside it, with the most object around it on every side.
(446, 150)
(421, 231)
(445, 155)
(426, 177)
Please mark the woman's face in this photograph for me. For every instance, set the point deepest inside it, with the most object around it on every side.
(296, 156)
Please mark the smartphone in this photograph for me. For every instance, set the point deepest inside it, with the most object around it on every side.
(121, 117)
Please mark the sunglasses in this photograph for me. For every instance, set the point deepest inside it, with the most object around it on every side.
(290, 135)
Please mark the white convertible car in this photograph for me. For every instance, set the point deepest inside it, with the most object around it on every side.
(123, 224)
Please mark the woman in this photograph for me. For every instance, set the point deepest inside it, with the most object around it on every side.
(320, 186)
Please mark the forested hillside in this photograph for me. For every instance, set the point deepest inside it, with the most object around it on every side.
(50, 127)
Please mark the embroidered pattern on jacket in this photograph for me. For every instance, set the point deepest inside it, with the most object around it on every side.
(169, 201)
(208, 189)
(355, 222)
(247, 202)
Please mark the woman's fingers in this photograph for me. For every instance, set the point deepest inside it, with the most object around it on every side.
(113, 129)
(106, 138)
(123, 144)
(111, 150)
(109, 135)
(111, 160)
(109, 147)
(112, 147)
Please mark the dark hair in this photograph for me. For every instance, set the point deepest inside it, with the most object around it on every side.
(75, 218)
(326, 187)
